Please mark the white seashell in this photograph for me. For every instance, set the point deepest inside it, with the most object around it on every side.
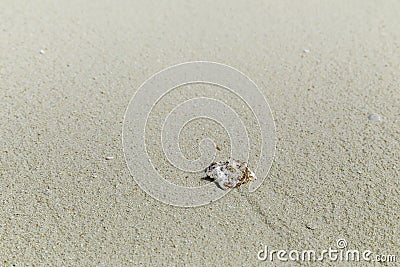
(374, 117)
(230, 174)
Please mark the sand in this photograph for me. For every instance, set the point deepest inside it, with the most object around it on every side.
(68, 70)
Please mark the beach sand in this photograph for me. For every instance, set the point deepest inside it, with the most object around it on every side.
(68, 70)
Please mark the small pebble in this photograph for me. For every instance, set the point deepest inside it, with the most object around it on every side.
(306, 50)
(109, 158)
(42, 52)
(311, 226)
(374, 117)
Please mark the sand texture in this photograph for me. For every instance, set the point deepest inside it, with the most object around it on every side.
(68, 70)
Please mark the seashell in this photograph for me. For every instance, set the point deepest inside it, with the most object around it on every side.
(230, 174)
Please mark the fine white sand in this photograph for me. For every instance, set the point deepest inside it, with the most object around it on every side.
(69, 68)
